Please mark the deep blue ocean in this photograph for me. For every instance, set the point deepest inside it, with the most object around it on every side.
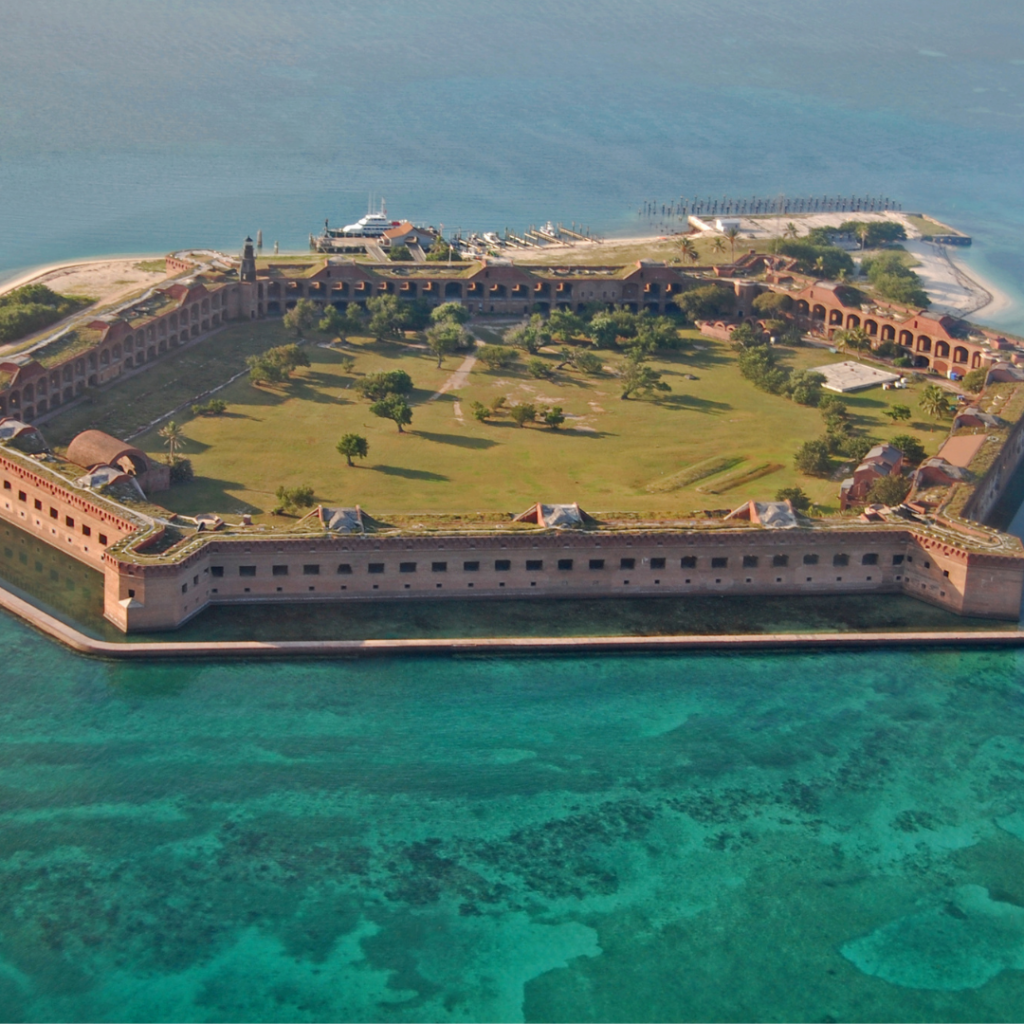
(814, 837)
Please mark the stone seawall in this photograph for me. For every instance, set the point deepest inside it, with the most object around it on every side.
(79, 642)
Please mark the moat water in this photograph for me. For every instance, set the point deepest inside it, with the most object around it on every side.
(786, 837)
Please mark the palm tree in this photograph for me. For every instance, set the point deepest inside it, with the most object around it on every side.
(858, 339)
(173, 435)
(934, 401)
(732, 233)
(718, 244)
(819, 264)
(862, 233)
(689, 250)
(841, 340)
(791, 231)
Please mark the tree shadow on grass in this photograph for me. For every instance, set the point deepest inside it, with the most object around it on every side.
(693, 403)
(460, 440)
(700, 359)
(592, 434)
(206, 494)
(408, 474)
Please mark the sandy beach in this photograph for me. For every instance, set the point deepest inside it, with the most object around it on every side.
(105, 279)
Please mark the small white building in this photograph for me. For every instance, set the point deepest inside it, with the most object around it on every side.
(727, 224)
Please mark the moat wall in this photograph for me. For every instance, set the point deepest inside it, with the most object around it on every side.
(999, 493)
(144, 594)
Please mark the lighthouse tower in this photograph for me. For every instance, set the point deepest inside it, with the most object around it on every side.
(247, 271)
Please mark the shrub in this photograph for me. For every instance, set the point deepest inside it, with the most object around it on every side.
(523, 413)
(812, 458)
(536, 367)
(912, 449)
(795, 496)
(496, 357)
(295, 497)
(975, 380)
(889, 490)
(182, 471)
(553, 417)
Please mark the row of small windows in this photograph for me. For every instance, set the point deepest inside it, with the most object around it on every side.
(69, 521)
(563, 564)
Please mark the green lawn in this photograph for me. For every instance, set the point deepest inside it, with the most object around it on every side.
(123, 408)
(611, 454)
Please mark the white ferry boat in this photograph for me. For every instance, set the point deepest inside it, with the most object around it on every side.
(373, 225)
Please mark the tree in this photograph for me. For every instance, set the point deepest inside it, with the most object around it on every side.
(857, 447)
(340, 324)
(286, 357)
(399, 253)
(889, 490)
(444, 337)
(771, 304)
(529, 336)
(689, 250)
(912, 449)
(705, 303)
(332, 322)
(536, 367)
(894, 280)
(173, 436)
(825, 260)
(393, 407)
(523, 413)
(376, 386)
(975, 380)
(745, 335)
(732, 233)
(588, 363)
(496, 357)
(481, 412)
(302, 317)
(812, 458)
(450, 312)
(441, 251)
(564, 326)
(898, 412)
(637, 378)
(353, 445)
(603, 330)
(291, 498)
(387, 317)
(718, 244)
(263, 371)
(795, 496)
(553, 417)
(790, 232)
(934, 402)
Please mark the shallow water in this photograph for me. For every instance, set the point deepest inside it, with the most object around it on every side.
(789, 837)
(806, 837)
(125, 131)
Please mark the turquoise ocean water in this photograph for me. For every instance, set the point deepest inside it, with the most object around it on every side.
(789, 837)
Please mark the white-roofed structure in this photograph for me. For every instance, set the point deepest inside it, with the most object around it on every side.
(853, 376)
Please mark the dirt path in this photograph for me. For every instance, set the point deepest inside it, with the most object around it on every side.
(456, 380)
